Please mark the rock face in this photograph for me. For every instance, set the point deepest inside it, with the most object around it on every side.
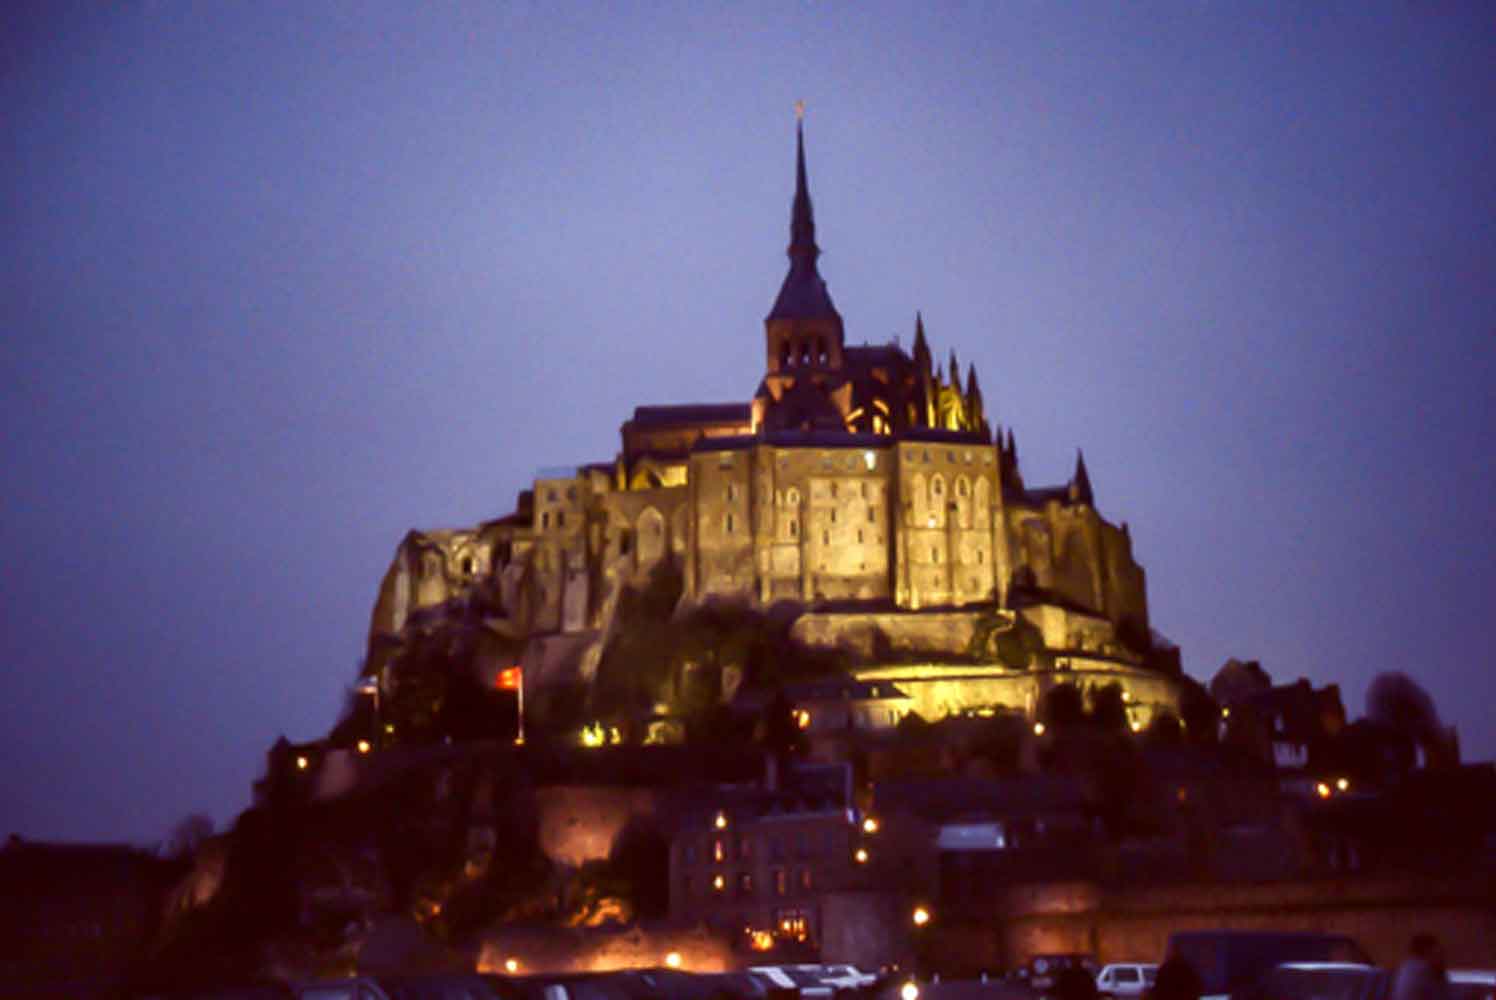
(861, 486)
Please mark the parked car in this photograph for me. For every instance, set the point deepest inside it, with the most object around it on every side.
(1229, 962)
(1472, 984)
(1125, 980)
(813, 980)
(1320, 981)
(1044, 970)
(455, 986)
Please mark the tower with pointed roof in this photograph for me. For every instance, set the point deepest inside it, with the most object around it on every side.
(803, 331)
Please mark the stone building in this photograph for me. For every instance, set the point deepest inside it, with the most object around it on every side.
(862, 488)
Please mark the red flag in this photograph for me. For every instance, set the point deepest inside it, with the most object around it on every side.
(509, 679)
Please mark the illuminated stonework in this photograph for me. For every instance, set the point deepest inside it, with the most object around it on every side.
(861, 485)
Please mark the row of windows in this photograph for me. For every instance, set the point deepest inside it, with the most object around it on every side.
(923, 456)
(741, 883)
(722, 847)
(805, 352)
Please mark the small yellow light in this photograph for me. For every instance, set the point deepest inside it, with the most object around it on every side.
(673, 960)
(1343, 784)
(870, 825)
(302, 763)
(802, 719)
(1322, 790)
(1225, 713)
(718, 883)
(363, 746)
(861, 856)
(1135, 726)
(389, 727)
(511, 965)
(1127, 696)
(921, 916)
(909, 991)
(1038, 729)
(721, 821)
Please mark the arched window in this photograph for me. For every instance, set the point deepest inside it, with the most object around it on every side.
(821, 356)
(792, 497)
(805, 352)
(785, 359)
(651, 531)
(937, 487)
(963, 488)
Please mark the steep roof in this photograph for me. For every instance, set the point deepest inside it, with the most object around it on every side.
(803, 294)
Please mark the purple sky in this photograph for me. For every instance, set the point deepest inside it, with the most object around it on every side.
(280, 281)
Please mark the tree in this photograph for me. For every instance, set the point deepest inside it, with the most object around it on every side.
(189, 834)
(1109, 709)
(1062, 707)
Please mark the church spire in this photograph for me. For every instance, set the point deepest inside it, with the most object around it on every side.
(802, 218)
(1080, 483)
(974, 410)
(803, 294)
(921, 346)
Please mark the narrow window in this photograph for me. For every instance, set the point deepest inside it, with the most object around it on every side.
(729, 524)
(794, 528)
(545, 519)
(825, 538)
(934, 554)
(560, 518)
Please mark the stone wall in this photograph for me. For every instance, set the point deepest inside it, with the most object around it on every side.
(538, 950)
(1122, 925)
(579, 823)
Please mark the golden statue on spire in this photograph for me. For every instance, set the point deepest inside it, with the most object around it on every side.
(799, 111)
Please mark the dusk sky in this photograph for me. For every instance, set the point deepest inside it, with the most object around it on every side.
(282, 281)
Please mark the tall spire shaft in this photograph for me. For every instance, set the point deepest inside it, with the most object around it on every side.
(802, 218)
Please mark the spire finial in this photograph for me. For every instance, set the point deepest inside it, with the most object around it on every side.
(799, 111)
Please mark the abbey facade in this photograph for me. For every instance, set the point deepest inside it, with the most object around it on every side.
(861, 487)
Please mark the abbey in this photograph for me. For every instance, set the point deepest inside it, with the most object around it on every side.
(861, 487)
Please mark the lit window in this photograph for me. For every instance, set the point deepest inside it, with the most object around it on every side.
(804, 879)
(719, 850)
(781, 882)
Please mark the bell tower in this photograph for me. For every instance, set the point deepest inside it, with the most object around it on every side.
(803, 331)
